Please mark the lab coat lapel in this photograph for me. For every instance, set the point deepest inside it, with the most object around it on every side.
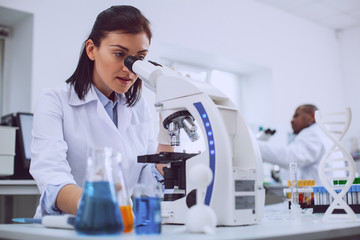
(104, 116)
(108, 135)
(124, 114)
(100, 110)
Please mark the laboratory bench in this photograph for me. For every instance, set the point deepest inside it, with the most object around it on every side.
(18, 187)
(277, 224)
(18, 198)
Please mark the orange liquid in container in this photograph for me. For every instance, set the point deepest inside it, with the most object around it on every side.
(128, 218)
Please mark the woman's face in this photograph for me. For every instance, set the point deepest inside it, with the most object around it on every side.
(110, 74)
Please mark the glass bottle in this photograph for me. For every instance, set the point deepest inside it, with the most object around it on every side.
(98, 212)
(124, 200)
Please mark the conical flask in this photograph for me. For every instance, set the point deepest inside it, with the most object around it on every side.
(122, 193)
(98, 212)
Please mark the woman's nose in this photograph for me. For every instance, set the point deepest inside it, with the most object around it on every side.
(124, 68)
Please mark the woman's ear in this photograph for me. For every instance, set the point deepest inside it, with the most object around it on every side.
(90, 48)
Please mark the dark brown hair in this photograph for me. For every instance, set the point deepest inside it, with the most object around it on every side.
(127, 19)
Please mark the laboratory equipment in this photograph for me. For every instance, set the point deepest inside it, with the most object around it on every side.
(7, 150)
(201, 218)
(174, 176)
(236, 192)
(295, 207)
(335, 125)
(323, 199)
(305, 193)
(65, 221)
(98, 212)
(124, 200)
(23, 123)
(147, 210)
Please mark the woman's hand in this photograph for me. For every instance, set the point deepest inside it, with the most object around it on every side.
(68, 198)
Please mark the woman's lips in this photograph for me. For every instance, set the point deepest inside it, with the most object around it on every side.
(124, 80)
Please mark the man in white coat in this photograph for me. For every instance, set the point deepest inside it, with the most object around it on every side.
(306, 149)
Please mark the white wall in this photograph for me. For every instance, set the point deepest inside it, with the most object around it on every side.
(302, 56)
(18, 68)
(350, 56)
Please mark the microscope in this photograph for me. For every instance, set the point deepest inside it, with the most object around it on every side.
(236, 193)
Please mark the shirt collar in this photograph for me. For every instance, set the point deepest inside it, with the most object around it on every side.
(92, 95)
(104, 100)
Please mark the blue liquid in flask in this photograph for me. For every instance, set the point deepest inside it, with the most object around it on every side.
(98, 212)
(147, 215)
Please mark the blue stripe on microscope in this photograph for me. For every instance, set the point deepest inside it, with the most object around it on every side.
(211, 145)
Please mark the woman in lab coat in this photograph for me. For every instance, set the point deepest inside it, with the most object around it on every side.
(99, 105)
(306, 149)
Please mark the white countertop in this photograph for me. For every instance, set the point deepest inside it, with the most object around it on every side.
(277, 224)
(18, 187)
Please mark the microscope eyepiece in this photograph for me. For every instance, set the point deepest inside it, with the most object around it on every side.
(129, 61)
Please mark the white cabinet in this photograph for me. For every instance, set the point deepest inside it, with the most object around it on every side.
(7, 150)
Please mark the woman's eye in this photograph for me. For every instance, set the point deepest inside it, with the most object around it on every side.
(119, 54)
(141, 57)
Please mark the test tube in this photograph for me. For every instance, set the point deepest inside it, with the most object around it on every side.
(322, 196)
(353, 195)
(326, 196)
(358, 194)
(349, 196)
(316, 196)
(294, 183)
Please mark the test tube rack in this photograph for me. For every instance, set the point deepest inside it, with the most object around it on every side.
(305, 191)
(322, 198)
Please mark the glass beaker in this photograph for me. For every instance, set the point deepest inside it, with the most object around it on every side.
(147, 209)
(124, 200)
(98, 212)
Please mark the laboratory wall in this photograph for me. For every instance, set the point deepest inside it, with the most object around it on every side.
(350, 59)
(18, 68)
(302, 57)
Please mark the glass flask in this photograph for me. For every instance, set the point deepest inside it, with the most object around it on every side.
(147, 210)
(122, 193)
(98, 212)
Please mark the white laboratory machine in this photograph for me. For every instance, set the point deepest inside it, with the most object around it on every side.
(7, 150)
(236, 192)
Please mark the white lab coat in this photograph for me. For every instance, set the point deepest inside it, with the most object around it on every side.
(65, 126)
(307, 150)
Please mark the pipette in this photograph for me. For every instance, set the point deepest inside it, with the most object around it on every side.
(59, 221)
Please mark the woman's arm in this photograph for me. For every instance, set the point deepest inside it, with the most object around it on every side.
(68, 198)
(49, 165)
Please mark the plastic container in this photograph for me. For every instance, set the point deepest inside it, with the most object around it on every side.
(147, 210)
